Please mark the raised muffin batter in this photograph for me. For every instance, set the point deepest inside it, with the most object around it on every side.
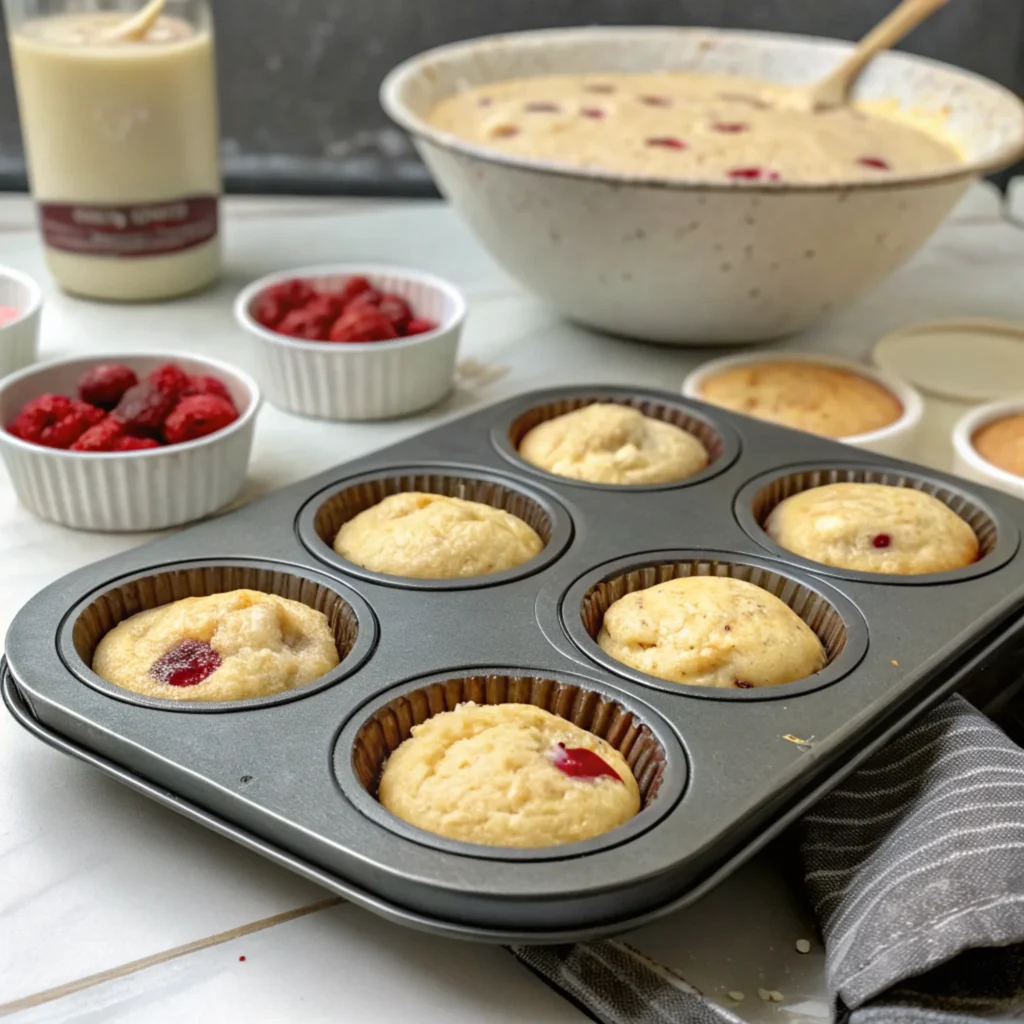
(873, 528)
(608, 443)
(688, 125)
(711, 631)
(430, 536)
(820, 399)
(223, 647)
(490, 774)
(1001, 442)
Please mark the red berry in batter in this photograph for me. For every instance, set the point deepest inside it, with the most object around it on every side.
(104, 385)
(881, 540)
(874, 162)
(196, 416)
(730, 127)
(188, 664)
(666, 142)
(581, 763)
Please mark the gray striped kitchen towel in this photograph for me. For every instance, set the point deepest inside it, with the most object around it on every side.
(915, 869)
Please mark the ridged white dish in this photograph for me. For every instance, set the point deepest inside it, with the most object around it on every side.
(967, 462)
(19, 339)
(896, 439)
(128, 491)
(359, 380)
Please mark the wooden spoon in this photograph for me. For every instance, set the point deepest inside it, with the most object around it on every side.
(138, 25)
(833, 90)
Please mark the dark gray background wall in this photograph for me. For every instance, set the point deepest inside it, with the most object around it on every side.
(298, 78)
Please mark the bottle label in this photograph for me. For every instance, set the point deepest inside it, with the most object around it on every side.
(146, 229)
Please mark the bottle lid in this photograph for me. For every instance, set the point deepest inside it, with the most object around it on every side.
(966, 360)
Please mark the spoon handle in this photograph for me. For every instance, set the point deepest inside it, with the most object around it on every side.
(889, 31)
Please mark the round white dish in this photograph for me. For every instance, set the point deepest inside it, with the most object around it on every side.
(19, 338)
(679, 261)
(359, 380)
(966, 460)
(896, 439)
(128, 491)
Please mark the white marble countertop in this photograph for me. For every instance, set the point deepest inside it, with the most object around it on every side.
(114, 909)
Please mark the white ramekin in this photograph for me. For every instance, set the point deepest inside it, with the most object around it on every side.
(966, 460)
(128, 491)
(359, 381)
(19, 339)
(896, 439)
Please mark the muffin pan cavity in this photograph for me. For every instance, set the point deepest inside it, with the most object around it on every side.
(842, 633)
(719, 440)
(648, 744)
(348, 617)
(322, 518)
(722, 771)
(997, 541)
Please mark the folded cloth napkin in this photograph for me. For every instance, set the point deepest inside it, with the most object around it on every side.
(915, 869)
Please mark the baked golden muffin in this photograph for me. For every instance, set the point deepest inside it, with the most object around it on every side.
(873, 528)
(711, 631)
(223, 647)
(430, 536)
(815, 397)
(1001, 442)
(606, 443)
(508, 775)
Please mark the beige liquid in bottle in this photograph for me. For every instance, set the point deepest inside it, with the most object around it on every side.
(122, 143)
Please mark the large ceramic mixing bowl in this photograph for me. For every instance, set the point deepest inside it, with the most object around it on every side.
(685, 261)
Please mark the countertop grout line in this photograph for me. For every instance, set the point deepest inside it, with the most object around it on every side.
(134, 966)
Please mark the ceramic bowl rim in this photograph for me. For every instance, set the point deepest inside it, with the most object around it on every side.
(390, 95)
(969, 424)
(35, 291)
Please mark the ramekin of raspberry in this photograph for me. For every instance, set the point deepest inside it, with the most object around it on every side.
(127, 443)
(353, 342)
(21, 303)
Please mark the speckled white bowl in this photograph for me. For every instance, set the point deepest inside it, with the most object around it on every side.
(680, 261)
(967, 462)
(896, 439)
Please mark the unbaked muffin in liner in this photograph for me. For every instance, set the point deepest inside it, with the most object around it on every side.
(94, 618)
(844, 639)
(757, 499)
(325, 514)
(654, 755)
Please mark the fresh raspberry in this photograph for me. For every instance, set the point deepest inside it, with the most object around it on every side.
(419, 326)
(171, 379)
(143, 409)
(127, 443)
(397, 310)
(104, 385)
(38, 414)
(197, 416)
(71, 426)
(364, 323)
(208, 386)
(311, 323)
(355, 286)
(101, 438)
(275, 303)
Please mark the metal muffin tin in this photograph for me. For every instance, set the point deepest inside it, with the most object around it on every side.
(721, 771)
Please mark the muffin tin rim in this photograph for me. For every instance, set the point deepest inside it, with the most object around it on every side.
(676, 781)
(362, 649)
(849, 658)
(732, 445)
(563, 527)
(1007, 535)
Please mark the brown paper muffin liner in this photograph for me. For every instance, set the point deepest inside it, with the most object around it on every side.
(793, 483)
(390, 725)
(146, 592)
(815, 610)
(712, 441)
(347, 503)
